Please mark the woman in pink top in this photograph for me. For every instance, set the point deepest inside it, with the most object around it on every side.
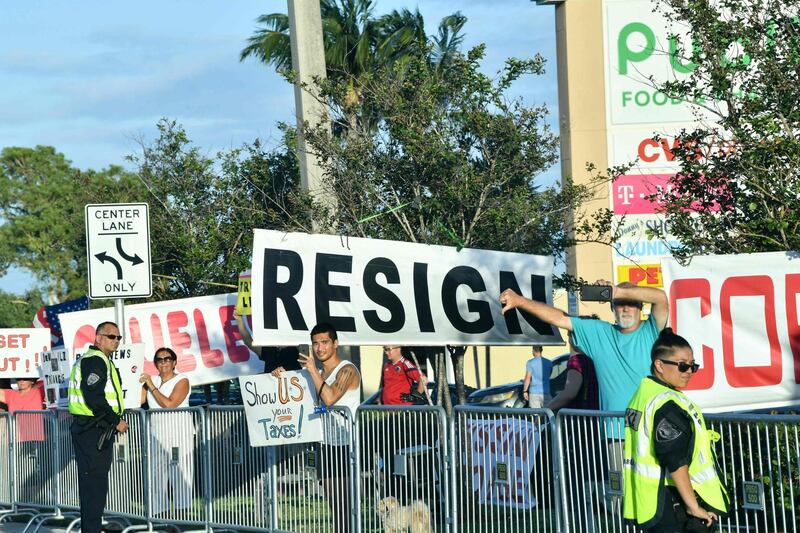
(29, 397)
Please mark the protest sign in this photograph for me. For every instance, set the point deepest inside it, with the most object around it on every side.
(503, 454)
(56, 367)
(740, 314)
(280, 410)
(21, 351)
(371, 290)
(243, 295)
(202, 331)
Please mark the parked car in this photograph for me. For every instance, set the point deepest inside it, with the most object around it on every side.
(432, 391)
(510, 394)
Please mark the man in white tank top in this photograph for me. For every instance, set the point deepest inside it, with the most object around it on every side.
(338, 385)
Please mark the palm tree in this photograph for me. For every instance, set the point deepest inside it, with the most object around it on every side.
(356, 42)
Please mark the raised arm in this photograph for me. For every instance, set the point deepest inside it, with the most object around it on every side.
(656, 297)
(547, 313)
(179, 394)
(241, 323)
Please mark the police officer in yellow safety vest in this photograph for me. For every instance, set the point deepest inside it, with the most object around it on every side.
(96, 403)
(671, 480)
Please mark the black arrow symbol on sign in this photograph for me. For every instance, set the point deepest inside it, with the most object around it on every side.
(135, 260)
(103, 258)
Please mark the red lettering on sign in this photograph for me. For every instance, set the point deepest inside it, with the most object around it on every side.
(750, 376)
(83, 337)
(793, 321)
(181, 340)
(684, 289)
(211, 357)
(158, 335)
(650, 157)
(135, 338)
(238, 352)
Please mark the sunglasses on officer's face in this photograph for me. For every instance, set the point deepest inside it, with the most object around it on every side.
(682, 367)
(112, 337)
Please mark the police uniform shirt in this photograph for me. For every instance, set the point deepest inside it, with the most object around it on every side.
(674, 434)
(93, 384)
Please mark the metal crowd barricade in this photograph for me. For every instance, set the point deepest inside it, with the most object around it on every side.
(759, 461)
(6, 475)
(503, 476)
(35, 462)
(126, 484)
(68, 496)
(403, 458)
(242, 488)
(591, 445)
(314, 486)
(176, 490)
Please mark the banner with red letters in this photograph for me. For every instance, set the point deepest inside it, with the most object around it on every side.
(202, 331)
(740, 314)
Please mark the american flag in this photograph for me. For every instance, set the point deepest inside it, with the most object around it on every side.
(47, 317)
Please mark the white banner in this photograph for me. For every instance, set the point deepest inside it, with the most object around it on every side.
(129, 360)
(503, 454)
(201, 331)
(56, 367)
(375, 291)
(280, 410)
(740, 314)
(21, 351)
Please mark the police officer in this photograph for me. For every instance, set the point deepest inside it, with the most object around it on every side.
(96, 403)
(671, 480)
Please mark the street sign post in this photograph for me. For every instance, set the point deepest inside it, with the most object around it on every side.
(118, 251)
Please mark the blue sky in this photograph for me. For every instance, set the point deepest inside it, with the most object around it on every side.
(92, 78)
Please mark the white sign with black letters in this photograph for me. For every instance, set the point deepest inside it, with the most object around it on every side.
(129, 360)
(118, 251)
(373, 290)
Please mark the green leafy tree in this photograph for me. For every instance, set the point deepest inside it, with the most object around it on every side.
(356, 42)
(203, 209)
(17, 311)
(738, 187)
(42, 198)
(452, 161)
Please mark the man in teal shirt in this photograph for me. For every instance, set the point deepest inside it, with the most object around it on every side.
(621, 351)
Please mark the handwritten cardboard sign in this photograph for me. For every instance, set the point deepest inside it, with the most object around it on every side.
(280, 410)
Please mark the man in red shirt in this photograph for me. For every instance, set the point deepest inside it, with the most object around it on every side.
(399, 375)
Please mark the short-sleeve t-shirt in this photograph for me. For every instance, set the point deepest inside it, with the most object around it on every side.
(621, 360)
(30, 427)
(397, 379)
(539, 368)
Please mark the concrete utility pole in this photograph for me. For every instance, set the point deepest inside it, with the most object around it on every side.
(308, 61)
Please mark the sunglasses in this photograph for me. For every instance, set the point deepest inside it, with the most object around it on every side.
(682, 367)
(159, 360)
(389, 348)
(112, 337)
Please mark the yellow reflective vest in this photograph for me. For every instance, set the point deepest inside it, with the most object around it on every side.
(645, 479)
(113, 387)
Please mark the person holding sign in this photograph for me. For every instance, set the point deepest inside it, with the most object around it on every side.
(30, 427)
(96, 403)
(172, 434)
(338, 384)
(670, 476)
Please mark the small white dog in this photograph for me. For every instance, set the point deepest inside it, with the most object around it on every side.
(396, 518)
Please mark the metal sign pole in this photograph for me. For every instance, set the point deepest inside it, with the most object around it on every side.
(119, 317)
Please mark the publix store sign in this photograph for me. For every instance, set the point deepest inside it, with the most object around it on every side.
(641, 46)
